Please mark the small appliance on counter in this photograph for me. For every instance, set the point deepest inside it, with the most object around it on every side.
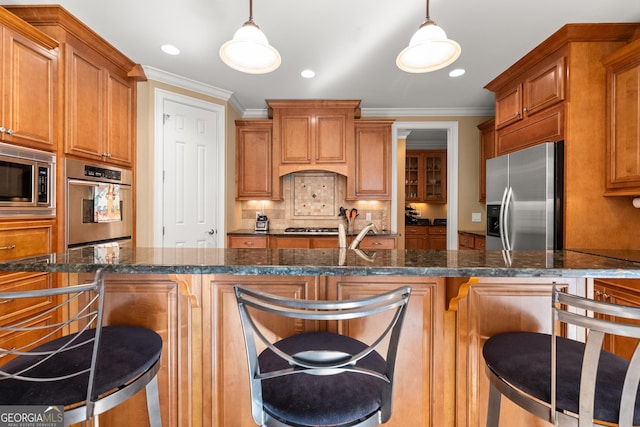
(262, 223)
(442, 222)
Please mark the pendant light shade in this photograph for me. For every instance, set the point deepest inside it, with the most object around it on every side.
(249, 51)
(429, 49)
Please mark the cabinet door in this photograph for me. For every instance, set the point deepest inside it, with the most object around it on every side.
(253, 160)
(545, 87)
(330, 138)
(295, 135)
(84, 105)
(608, 291)
(623, 123)
(29, 92)
(437, 237)
(418, 386)
(225, 376)
(509, 106)
(412, 176)
(487, 151)
(166, 305)
(120, 127)
(373, 160)
(435, 176)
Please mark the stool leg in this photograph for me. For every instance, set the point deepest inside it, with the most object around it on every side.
(493, 410)
(153, 403)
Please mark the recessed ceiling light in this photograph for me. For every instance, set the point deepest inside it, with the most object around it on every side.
(457, 72)
(308, 74)
(170, 49)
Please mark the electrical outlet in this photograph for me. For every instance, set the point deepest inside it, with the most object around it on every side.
(476, 217)
(368, 216)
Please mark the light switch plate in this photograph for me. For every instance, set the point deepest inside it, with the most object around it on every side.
(368, 216)
(476, 217)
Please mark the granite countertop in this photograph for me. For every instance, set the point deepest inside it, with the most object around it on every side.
(345, 262)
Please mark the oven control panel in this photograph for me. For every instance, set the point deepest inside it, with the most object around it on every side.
(98, 172)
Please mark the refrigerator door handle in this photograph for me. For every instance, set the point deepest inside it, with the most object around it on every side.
(501, 227)
(507, 205)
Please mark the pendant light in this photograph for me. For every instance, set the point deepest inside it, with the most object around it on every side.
(428, 50)
(249, 51)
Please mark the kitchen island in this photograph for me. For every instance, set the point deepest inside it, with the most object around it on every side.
(187, 296)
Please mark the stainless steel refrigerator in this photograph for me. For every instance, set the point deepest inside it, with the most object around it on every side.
(525, 199)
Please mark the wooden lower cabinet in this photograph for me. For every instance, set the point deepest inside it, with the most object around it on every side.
(624, 292)
(165, 304)
(418, 390)
(225, 375)
(482, 309)
(419, 377)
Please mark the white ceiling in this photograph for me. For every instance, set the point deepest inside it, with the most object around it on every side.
(351, 44)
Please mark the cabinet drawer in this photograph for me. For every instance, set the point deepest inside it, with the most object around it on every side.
(437, 229)
(18, 241)
(19, 307)
(479, 243)
(465, 241)
(413, 230)
(20, 338)
(372, 242)
(247, 242)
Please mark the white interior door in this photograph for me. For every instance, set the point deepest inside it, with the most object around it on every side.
(192, 152)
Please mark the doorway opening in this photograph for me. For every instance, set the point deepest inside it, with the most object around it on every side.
(397, 211)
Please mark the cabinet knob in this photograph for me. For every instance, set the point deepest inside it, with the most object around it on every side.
(106, 155)
(517, 113)
(7, 248)
(526, 110)
(603, 295)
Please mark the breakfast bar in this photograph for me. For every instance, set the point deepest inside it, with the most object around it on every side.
(459, 298)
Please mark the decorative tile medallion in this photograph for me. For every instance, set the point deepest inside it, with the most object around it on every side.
(314, 194)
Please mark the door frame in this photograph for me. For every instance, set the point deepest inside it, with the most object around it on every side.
(452, 174)
(161, 95)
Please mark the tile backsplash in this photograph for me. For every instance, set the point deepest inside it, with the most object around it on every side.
(313, 199)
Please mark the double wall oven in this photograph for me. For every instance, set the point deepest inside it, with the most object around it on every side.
(99, 208)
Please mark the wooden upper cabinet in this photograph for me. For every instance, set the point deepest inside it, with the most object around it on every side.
(372, 178)
(509, 106)
(98, 87)
(29, 91)
(623, 122)
(487, 151)
(529, 102)
(253, 159)
(426, 176)
(312, 135)
(99, 109)
(540, 88)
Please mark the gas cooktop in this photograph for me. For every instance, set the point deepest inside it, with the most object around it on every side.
(312, 230)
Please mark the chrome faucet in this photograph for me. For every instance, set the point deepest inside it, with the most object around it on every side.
(361, 234)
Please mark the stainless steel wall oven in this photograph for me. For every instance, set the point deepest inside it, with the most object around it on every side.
(99, 204)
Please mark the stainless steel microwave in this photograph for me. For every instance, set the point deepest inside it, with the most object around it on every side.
(27, 182)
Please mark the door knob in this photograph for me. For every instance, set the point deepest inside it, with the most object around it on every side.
(212, 232)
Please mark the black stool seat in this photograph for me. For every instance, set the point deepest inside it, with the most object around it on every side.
(315, 400)
(523, 359)
(124, 353)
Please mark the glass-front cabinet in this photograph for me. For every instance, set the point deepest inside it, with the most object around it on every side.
(426, 176)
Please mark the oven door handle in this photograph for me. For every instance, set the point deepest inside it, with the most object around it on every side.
(85, 183)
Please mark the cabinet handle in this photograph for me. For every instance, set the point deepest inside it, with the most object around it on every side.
(107, 155)
(7, 248)
(603, 295)
(376, 243)
(7, 353)
(249, 243)
(7, 301)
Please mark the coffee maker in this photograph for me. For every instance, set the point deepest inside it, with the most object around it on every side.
(262, 223)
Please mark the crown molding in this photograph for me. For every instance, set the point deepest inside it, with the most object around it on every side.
(228, 96)
(193, 85)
